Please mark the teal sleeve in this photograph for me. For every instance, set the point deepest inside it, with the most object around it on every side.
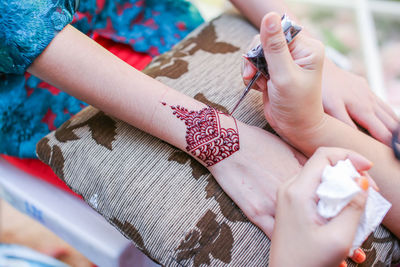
(27, 27)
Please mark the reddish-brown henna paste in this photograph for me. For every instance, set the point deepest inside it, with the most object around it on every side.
(205, 137)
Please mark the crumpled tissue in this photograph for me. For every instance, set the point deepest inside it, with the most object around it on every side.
(338, 187)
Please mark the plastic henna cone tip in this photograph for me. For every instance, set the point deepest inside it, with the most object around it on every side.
(256, 55)
(247, 90)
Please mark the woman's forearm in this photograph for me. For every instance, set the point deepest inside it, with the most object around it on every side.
(81, 67)
(385, 171)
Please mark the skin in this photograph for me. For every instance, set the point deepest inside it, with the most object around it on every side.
(251, 176)
(345, 95)
(293, 106)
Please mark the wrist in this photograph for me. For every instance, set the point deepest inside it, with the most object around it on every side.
(305, 136)
(258, 145)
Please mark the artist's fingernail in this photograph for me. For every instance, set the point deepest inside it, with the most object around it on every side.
(272, 24)
(359, 256)
(343, 264)
(363, 183)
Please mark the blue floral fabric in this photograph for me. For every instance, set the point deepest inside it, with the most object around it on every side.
(30, 108)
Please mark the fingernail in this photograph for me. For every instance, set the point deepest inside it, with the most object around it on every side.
(343, 264)
(363, 183)
(272, 24)
(359, 256)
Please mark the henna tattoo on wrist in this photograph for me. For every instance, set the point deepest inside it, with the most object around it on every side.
(205, 137)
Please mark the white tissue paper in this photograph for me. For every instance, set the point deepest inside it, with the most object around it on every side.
(338, 187)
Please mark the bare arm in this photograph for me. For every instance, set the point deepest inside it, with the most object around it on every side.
(255, 10)
(247, 162)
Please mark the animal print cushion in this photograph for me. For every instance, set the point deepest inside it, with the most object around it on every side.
(163, 200)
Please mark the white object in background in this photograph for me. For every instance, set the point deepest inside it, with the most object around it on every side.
(70, 218)
(337, 189)
(338, 58)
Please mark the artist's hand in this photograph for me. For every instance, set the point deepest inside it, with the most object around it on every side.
(293, 100)
(347, 96)
(300, 236)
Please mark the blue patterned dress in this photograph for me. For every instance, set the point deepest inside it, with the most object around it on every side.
(28, 26)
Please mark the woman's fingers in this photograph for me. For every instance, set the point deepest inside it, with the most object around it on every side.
(311, 175)
(248, 70)
(338, 110)
(374, 125)
(386, 119)
(388, 109)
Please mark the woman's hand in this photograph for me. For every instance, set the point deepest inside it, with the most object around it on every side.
(300, 236)
(347, 96)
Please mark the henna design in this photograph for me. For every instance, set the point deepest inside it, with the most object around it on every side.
(205, 137)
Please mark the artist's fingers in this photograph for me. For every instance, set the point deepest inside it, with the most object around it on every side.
(371, 181)
(248, 73)
(310, 176)
(261, 84)
(307, 53)
(338, 110)
(248, 70)
(344, 225)
(280, 62)
(267, 107)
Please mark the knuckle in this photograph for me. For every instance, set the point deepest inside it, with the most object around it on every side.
(276, 44)
(257, 209)
(291, 193)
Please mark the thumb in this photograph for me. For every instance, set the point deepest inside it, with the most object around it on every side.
(275, 46)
